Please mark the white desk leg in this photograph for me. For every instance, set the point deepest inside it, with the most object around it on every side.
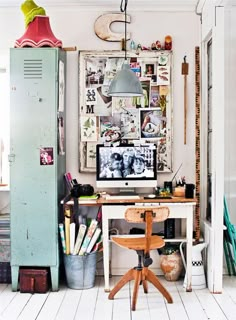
(105, 232)
(189, 249)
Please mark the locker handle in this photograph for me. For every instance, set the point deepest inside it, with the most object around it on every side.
(11, 157)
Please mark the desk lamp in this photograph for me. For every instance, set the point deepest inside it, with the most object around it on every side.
(125, 82)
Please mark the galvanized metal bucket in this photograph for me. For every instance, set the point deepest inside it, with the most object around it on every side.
(80, 270)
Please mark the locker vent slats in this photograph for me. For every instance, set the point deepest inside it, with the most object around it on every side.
(33, 69)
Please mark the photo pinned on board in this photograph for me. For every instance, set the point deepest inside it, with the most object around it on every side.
(88, 128)
(149, 69)
(130, 123)
(152, 123)
(163, 75)
(121, 103)
(143, 101)
(110, 131)
(154, 97)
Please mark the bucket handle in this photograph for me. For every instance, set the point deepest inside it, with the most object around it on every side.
(182, 254)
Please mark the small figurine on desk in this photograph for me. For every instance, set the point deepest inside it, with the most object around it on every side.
(165, 192)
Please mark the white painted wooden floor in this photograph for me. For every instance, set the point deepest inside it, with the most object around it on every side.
(93, 304)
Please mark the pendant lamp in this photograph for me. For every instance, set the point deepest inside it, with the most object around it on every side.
(125, 82)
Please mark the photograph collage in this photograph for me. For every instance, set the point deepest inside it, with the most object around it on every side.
(125, 120)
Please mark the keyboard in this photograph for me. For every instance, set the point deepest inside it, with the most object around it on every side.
(110, 197)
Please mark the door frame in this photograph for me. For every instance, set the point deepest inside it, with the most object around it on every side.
(213, 231)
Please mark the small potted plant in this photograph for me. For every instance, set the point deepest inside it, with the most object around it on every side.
(171, 262)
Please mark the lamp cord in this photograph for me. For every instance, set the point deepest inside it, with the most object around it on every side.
(123, 7)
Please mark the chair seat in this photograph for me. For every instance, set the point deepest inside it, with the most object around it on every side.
(139, 243)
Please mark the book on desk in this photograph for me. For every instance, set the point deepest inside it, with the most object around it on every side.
(88, 199)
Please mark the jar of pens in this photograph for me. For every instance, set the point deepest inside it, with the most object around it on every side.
(81, 240)
(168, 189)
(181, 189)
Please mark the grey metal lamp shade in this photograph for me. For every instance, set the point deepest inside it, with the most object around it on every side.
(125, 83)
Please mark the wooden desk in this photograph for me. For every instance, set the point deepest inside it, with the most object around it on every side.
(180, 208)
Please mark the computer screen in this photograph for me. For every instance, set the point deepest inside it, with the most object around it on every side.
(126, 166)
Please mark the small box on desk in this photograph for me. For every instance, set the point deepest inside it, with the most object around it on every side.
(33, 280)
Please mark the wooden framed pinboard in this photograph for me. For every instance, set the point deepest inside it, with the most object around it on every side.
(103, 119)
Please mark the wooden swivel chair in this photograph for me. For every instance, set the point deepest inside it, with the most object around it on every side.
(143, 244)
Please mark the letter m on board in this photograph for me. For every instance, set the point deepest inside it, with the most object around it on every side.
(90, 109)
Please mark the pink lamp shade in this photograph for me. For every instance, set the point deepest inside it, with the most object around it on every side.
(38, 34)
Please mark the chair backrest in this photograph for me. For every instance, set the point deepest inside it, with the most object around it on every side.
(147, 215)
(137, 214)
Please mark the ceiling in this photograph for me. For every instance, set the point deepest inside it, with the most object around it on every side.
(159, 5)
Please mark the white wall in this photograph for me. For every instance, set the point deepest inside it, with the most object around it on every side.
(74, 26)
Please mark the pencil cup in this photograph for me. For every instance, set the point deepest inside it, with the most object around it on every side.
(80, 270)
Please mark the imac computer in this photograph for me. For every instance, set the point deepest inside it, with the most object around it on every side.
(126, 167)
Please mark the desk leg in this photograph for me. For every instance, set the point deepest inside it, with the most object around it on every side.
(105, 232)
(189, 251)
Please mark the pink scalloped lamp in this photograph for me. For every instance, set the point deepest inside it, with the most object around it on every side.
(38, 30)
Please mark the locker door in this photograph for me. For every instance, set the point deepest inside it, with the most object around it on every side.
(33, 130)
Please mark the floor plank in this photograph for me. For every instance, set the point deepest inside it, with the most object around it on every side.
(6, 297)
(3, 286)
(52, 304)
(69, 304)
(103, 307)
(85, 307)
(33, 306)
(227, 305)
(209, 304)
(155, 304)
(191, 303)
(121, 303)
(142, 308)
(175, 310)
(18, 303)
(93, 304)
(230, 287)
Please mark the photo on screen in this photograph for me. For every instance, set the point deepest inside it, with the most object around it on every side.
(126, 162)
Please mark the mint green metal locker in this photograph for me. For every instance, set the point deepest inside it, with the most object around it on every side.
(37, 164)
